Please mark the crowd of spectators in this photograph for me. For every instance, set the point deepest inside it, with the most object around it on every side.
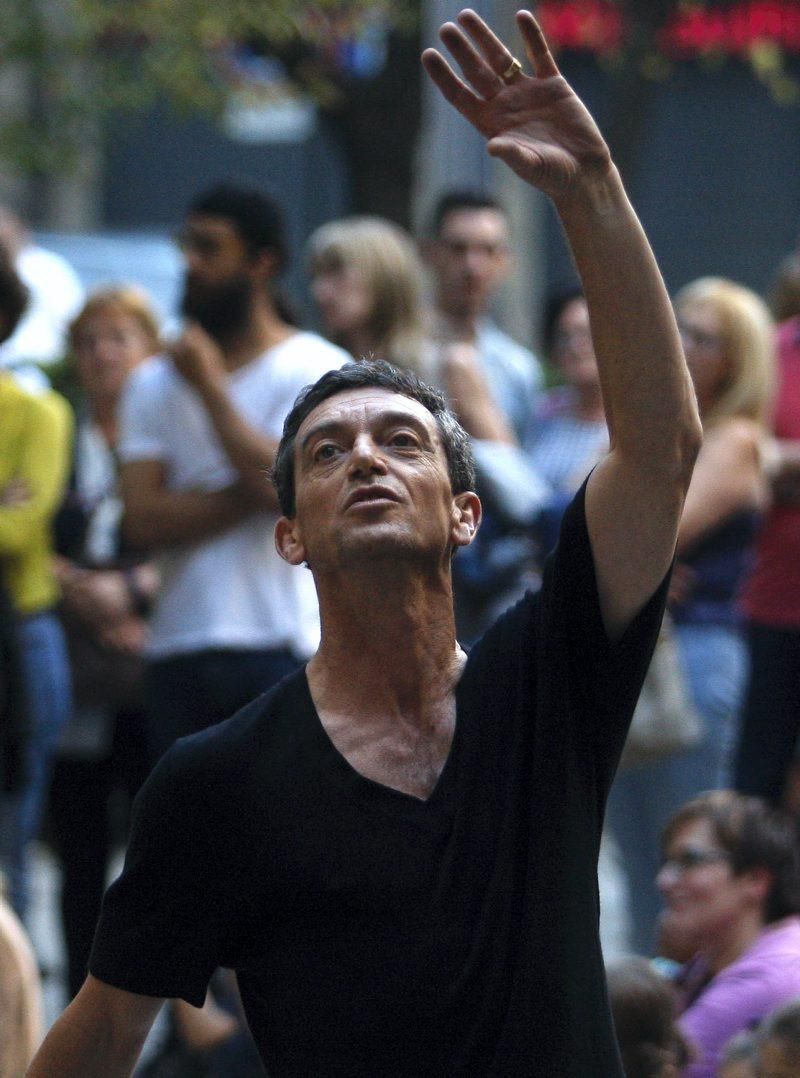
(141, 598)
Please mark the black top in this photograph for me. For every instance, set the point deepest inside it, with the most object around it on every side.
(374, 933)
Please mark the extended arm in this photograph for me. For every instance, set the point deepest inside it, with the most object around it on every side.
(539, 127)
(99, 1035)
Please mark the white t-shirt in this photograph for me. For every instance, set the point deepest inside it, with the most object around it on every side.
(232, 590)
(55, 297)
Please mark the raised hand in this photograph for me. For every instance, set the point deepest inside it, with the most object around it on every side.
(535, 123)
(198, 358)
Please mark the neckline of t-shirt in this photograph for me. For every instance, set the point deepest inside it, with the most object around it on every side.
(268, 355)
(388, 795)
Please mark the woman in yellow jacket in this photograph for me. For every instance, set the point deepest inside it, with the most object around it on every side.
(35, 435)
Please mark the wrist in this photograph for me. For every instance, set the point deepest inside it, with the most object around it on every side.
(597, 194)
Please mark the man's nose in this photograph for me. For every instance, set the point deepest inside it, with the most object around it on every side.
(366, 457)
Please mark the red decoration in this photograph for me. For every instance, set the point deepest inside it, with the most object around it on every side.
(598, 26)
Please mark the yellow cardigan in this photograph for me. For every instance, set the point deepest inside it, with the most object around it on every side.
(35, 447)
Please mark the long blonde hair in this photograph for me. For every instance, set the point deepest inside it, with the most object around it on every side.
(747, 332)
(385, 256)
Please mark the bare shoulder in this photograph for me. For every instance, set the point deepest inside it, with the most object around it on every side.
(734, 440)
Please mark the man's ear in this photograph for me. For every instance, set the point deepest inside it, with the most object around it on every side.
(466, 518)
(288, 542)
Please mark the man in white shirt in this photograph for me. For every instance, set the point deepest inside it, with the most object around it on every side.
(199, 428)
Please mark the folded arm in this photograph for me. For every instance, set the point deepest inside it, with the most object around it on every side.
(40, 476)
(540, 128)
(199, 361)
(157, 517)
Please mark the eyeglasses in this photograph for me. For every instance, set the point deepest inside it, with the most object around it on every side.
(693, 857)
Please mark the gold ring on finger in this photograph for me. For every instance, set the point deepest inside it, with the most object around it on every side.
(512, 71)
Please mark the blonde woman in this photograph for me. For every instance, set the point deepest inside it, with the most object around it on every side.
(727, 336)
(366, 279)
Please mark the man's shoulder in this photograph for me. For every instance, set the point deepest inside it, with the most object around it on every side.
(226, 752)
(309, 353)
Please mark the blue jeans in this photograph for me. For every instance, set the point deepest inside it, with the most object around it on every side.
(45, 669)
(643, 798)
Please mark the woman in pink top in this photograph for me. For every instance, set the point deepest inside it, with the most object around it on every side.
(730, 879)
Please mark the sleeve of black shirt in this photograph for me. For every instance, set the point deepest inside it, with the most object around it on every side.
(158, 933)
(605, 677)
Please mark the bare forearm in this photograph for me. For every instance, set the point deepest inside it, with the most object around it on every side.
(647, 389)
(165, 518)
(84, 1046)
(251, 453)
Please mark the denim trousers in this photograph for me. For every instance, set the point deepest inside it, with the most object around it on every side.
(643, 798)
(45, 670)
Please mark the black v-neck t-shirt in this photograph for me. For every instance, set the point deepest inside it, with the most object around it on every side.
(374, 933)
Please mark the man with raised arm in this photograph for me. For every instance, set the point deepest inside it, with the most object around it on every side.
(396, 848)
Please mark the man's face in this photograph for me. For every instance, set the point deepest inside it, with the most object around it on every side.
(218, 281)
(372, 482)
(470, 259)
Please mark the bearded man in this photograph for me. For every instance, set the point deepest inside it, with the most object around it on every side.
(199, 428)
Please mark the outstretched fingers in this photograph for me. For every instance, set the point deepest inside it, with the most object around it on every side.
(474, 66)
(453, 89)
(497, 55)
(536, 47)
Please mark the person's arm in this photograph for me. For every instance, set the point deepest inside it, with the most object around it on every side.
(540, 128)
(727, 478)
(156, 517)
(99, 1035)
(198, 360)
(470, 397)
(41, 474)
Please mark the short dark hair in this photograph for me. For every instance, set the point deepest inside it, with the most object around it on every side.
(380, 375)
(452, 201)
(643, 1008)
(754, 835)
(254, 215)
(13, 296)
(554, 307)
(783, 1025)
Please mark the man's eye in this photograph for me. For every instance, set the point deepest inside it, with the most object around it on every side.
(403, 440)
(325, 452)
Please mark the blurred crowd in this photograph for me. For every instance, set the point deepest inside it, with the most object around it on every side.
(141, 598)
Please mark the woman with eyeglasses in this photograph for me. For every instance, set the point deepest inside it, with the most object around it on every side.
(730, 881)
(727, 336)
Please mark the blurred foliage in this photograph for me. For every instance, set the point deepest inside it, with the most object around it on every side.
(64, 63)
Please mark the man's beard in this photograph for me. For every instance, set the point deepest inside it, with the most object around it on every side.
(223, 310)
